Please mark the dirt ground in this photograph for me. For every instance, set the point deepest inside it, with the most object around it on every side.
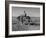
(17, 27)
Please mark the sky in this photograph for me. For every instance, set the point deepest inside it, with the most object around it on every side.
(32, 12)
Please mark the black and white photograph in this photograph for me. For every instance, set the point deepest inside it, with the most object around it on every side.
(25, 19)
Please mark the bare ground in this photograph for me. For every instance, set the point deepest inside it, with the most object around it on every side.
(17, 27)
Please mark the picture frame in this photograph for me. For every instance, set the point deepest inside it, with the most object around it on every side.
(10, 6)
